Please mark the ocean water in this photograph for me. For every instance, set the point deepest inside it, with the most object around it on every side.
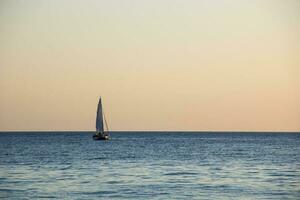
(150, 165)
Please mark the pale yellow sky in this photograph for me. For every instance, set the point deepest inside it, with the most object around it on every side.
(159, 65)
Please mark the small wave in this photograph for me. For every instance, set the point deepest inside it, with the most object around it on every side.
(10, 190)
(98, 158)
(46, 197)
(126, 157)
(3, 178)
(84, 182)
(65, 168)
(180, 173)
(113, 182)
(281, 175)
(105, 192)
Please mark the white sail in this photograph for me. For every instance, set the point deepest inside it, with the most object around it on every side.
(99, 119)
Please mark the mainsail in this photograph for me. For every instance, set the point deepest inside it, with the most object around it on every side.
(99, 119)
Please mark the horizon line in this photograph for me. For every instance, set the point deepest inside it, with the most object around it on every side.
(191, 131)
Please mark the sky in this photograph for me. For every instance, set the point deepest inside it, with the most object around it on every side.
(195, 65)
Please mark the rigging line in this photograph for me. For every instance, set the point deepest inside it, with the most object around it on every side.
(105, 120)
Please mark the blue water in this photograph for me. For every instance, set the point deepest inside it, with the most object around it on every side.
(149, 165)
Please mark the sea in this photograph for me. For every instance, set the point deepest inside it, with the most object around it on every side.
(150, 165)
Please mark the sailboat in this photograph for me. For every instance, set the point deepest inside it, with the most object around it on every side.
(100, 133)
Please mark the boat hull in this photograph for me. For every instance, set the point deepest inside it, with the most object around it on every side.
(100, 137)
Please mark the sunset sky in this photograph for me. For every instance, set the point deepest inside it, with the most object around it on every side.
(158, 64)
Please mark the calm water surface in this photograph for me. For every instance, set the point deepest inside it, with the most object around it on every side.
(147, 165)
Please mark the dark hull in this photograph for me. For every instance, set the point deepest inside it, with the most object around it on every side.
(100, 137)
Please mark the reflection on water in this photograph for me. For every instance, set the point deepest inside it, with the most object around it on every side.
(150, 165)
